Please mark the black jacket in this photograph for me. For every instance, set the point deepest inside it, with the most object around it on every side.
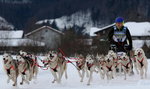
(128, 35)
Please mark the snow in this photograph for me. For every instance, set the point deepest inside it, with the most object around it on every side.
(80, 19)
(5, 25)
(11, 34)
(138, 28)
(93, 30)
(73, 82)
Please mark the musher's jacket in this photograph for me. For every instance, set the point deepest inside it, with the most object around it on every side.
(120, 37)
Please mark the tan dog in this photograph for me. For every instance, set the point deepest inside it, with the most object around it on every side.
(141, 62)
(11, 68)
(34, 63)
(101, 64)
(90, 66)
(25, 69)
(81, 66)
(57, 65)
(109, 67)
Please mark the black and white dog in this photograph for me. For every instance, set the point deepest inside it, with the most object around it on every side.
(11, 68)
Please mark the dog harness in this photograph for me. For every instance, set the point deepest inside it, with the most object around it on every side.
(127, 65)
(109, 68)
(141, 62)
(8, 70)
(89, 66)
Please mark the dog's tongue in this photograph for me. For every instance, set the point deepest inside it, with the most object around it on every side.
(5, 61)
(139, 54)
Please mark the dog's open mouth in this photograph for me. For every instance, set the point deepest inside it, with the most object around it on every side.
(139, 54)
(51, 56)
(5, 61)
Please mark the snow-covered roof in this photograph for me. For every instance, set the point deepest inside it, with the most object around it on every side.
(136, 28)
(11, 34)
(20, 42)
(95, 29)
(43, 28)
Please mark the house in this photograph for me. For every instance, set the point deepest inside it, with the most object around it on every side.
(13, 41)
(50, 36)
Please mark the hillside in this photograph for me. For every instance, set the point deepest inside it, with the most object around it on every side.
(102, 11)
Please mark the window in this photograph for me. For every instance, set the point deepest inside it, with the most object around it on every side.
(46, 30)
(42, 38)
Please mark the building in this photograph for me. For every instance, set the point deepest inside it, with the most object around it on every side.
(50, 36)
(13, 41)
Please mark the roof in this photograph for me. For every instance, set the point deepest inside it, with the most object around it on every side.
(36, 30)
(11, 34)
(135, 28)
(104, 28)
(139, 28)
(20, 42)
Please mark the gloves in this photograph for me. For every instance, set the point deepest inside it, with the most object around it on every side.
(130, 47)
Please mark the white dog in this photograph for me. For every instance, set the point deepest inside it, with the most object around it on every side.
(80, 63)
(141, 61)
(90, 66)
(109, 67)
(33, 60)
(58, 66)
(25, 69)
(11, 68)
(101, 64)
(126, 64)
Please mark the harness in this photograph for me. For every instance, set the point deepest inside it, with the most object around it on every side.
(55, 68)
(141, 62)
(89, 66)
(109, 68)
(79, 65)
(119, 36)
(8, 70)
(126, 66)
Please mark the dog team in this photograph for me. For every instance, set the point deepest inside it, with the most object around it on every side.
(108, 66)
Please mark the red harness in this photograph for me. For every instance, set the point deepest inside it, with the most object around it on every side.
(54, 69)
(11, 67)
(127, 65)
(109, 68)
(141, 62)
(89, 66)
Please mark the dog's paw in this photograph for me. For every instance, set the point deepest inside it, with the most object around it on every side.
(14, 84)
(81, 80)
(125, 78)
(27, 82)
(88, 84)
(8, 80)
(21, 83)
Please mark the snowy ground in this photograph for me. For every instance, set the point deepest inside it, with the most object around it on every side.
(73, 82)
